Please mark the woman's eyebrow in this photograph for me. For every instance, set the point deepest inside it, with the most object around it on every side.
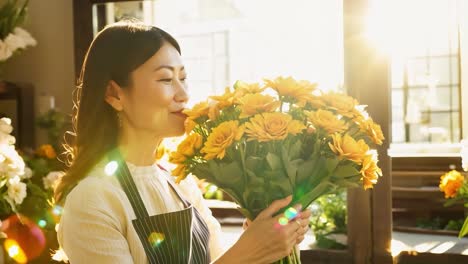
(172, 68)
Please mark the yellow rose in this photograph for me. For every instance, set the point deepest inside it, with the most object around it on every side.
(370, 171)
(198, 110)
(221, 138)
(345, 105)
(314, 100)
(252, 104)
(272, 126)
(179, 172)
(289, 87)
(242, 88)
(373, 130)
(348, 148)
(450, 183)
(190, 144)
(326, 120)
(46, 151)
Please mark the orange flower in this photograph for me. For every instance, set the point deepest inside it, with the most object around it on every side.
(326, 120)
(160, 152)
(373, 130)
(345, 105)
(289, 87)
(348, 148)
(198, 110)
(252, 104)
(225, 100)
(272, 126)
(189, 125)
(242, 88)
(450, 183)
(179, 172)
(221, 138)
(177, 158)
(46, 151)
(370, 171)
(190, 144)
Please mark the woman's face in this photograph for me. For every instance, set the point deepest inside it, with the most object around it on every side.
(157, 94)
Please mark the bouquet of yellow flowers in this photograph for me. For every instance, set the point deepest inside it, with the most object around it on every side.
(455, 187)
(264, 142)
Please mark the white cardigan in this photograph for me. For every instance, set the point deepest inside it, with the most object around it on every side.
(96, 224)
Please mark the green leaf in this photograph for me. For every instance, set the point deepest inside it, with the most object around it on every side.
(464, 229)
(346, 171)
(230, 174)
(273, 161)
(331, 164)
(305, 170)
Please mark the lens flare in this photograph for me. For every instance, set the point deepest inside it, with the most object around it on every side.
(111, 168)
(42, 223)
(283, 221)
(15, 251)
(57, 210)
(290, 213)
(156, 239)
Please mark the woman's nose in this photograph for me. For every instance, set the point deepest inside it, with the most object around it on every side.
(182, 92)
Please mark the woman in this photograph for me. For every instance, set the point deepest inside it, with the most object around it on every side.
(119, 207)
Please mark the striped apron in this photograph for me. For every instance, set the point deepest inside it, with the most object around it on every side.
(179, 237)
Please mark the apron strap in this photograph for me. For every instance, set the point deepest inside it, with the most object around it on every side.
(128, 185)
(174, 189)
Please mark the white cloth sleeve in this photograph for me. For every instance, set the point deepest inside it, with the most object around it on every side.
(90, 231)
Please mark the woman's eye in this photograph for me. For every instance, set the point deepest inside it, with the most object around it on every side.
(165, 80)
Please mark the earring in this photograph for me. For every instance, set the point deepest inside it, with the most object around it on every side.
(119, 119)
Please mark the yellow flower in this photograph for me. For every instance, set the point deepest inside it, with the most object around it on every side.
(46, 151)
(160, 152)
(373, 130)
(221, 138)
(450, 183)
(242, 88)
(326, 120)
(177, 158)
(198, 110)
(179, 172)
(345, 105)
(314, 100)
(252, 104)
(289, 87)
(272, 126)
(348, 148)
(190, 144)
(214, 111)
(370, 171)
(189, 125)
(225, 100)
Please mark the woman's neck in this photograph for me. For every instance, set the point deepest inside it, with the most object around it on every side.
(138, 148)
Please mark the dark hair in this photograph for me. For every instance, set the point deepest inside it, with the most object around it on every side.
(115, 52)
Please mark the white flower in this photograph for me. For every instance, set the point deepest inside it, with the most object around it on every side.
(27, 38)
(14, 42)
(51, 179)
(5, 125)
(11, 164)
(28, 173)
(16, 190)
(5, 51)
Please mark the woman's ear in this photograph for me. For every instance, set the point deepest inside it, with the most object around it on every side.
(114, 95)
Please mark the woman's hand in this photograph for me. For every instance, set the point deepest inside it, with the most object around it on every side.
(303, 219)
(266, 240)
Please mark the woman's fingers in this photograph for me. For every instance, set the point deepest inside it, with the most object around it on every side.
(274, 207)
